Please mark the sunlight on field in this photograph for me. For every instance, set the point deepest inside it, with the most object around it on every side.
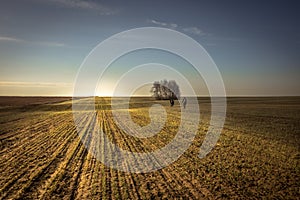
(42, 155)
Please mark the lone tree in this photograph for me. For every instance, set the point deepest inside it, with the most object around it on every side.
(164, 89)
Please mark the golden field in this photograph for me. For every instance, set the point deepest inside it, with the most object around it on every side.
(257, 155)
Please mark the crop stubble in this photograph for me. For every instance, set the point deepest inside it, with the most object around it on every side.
(43, 157)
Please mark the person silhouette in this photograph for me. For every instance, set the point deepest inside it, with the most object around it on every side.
(184, 102)
(171, 102)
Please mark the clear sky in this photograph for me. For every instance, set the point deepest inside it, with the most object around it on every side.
(255, 44)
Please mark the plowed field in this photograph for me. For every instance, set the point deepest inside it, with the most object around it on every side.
(42, 156)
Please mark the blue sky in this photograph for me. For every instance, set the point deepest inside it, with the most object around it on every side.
(255, 44)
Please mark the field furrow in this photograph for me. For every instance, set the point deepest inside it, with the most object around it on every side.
(45, 156)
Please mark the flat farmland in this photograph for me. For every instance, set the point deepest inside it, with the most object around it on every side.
(257, 155)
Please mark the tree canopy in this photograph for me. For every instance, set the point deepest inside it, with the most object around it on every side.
(165, 89)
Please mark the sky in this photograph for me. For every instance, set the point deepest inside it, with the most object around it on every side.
(255, 44)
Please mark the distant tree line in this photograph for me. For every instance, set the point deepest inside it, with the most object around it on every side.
(163, 90)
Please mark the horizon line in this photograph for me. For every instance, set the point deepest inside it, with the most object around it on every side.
(144, 96)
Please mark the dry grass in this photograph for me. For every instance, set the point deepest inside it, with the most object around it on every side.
(256, 156)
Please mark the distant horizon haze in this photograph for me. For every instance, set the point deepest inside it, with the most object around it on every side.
(255, 45)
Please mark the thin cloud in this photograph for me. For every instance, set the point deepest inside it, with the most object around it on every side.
(51, 44)
(192, 30)
(172, 25)
(10, 39)
(41, 43)
(195, 31)
(84, 5)
(34, 84)
(158, 23)
(168, 25)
